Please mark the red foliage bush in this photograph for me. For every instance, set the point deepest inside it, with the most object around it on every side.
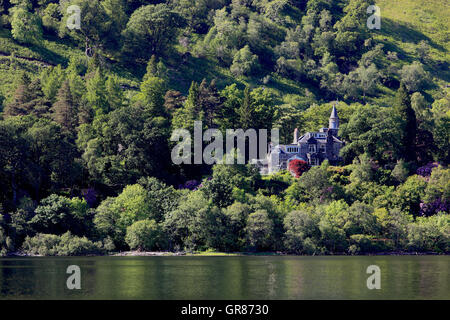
(298, 167)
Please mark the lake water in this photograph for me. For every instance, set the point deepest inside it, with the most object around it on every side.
(232, 277)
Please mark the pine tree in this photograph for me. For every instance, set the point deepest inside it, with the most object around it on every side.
(173, 100)
(408, 124)
(64, 109)
(151, 68)
(115, 94)
(22, 96)
(246, 111)
(192, 105)
(209, 101)
(97, 94)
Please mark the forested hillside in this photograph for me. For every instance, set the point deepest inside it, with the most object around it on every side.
(86, 117)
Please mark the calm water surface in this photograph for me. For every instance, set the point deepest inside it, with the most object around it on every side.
(248, 277)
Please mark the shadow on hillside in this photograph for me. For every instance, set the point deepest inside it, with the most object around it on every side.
(406, 33)
(49, 56)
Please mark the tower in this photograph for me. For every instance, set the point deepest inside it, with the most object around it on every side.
(334, 121)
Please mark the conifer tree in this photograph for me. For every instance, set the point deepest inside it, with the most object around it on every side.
(97, 94)
(209, 101)
(173, 100)
(64, 109)
(246, 111)
(115, 94)
(408, 124)
(22, 96)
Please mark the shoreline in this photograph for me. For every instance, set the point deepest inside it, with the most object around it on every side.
(227, 254)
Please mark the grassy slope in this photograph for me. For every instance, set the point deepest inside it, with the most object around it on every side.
(404, 24)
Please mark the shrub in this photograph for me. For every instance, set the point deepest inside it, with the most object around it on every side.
(361, 243)
(259, 230)
(144, 235)
(430, 234)
(54, 216)
(244, 62)
(301, 232)
(65, 245)
(298, 167)
(425, 171)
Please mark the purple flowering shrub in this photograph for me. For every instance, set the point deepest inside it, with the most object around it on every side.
(190, 185)
(429, 209)
(90, 195)
(425, 171)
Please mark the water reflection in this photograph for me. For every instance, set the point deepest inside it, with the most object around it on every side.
(405, 277)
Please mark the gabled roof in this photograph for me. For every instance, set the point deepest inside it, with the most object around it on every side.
(311, 140)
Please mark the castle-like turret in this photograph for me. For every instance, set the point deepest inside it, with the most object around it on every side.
(334, 119)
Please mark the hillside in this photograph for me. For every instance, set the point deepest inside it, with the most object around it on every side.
(404, 24)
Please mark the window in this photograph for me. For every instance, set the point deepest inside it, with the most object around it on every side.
(322, 148)
(312, 148)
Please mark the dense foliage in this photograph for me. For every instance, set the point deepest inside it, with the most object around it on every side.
(86, 118)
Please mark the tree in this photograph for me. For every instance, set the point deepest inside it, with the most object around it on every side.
(368, 78)
(439, 185)
(54, 215)
(51, 80)
(430, 234)
(246, 111)
(115, 215)
(152, 96)
(413, 76)
(114, 92)
(150, 30)
(441, 134)
(25, 26)
(244, 62)
(22, 98)
(408, 123)
(237, 215)
(144, 235)
(65, 110)
(163, 198)
(210, 101)
(298, 167)
(375, 131)
(96, 27)
(315, 182)
(351, 28)
(331, 226)
(409, 194)
(97, 95)
(400, 171)
(173, 100)
(302, 232)
(259, 231)
(51, 17)
(183, 225)
(184, 117)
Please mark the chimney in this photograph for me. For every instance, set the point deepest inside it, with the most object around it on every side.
(295, 136)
